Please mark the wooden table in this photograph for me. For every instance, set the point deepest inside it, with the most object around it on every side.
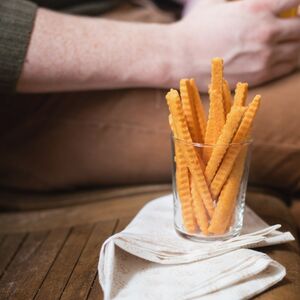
(52, 253)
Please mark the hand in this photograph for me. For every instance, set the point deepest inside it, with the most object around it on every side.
(256, 45)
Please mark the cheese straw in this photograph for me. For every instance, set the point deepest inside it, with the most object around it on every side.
(190, 153)
(199, 208)
(210, 151)
(241, 92)
(183, 185)
(227, 199)
(227, 99)
(216, 115)
(240, 137)
(231, 125)
(199, 109)
(189, 109)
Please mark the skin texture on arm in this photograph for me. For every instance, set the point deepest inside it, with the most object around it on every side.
(68, 53)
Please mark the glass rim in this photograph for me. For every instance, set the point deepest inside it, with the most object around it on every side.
(201, 145)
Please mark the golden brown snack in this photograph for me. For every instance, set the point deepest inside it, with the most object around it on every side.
(199, 209)
(190, 153)
(189, 109)
(228, 131)
(184, 192)
(241, 136)
(216, 115)
(227, 98)
(241, 93)
(199, 109)
(227, 199)
(217, 74)
(208, 177)
(216, 95)
(183, 186)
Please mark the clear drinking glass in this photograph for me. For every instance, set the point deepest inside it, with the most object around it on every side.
(209, 206)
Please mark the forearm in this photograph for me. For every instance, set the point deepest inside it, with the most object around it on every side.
(78, 53)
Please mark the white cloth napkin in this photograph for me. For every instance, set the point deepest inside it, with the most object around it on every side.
(149, 260)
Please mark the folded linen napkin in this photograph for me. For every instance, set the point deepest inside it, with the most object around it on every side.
(149, 260)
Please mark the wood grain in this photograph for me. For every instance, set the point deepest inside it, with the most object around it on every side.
(61, 270)
(53, 253)
(9, 247)
(33, 259)
(85, 270)
(48, 219)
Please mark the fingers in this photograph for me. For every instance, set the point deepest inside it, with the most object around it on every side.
(286, 51)
(275, 6)
(289, 30)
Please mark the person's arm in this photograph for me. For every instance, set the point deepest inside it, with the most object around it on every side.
(78, 53)
(68, 53)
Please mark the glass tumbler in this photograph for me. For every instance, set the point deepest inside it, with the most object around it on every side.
(209, 188)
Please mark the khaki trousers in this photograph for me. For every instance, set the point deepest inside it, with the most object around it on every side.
(71, 140)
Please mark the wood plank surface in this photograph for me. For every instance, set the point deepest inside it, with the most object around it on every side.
(96, 291)
(9, 247)
(60, 272)
(67, 217)
(34, 259)
(53, 254)
(85, 270)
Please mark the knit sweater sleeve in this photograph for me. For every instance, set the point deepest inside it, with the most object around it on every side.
(16, 24)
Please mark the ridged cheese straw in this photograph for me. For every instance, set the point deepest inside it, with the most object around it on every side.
(183, 185)
(241, 93)
(194, 112)
(228, 131)
(184, 191)
(190, 153)
(189, 110)
(216, 115)
(227, 199)
(199, 109)
(227, 98)
(199, 209)
(233, 151)
(216, 91)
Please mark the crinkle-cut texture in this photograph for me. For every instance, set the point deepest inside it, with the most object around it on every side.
(184, 191)
(201, 117)
(241, 93)
(216, 115)
(183, 184)
(216, 94)
(227, 98)
(241, 136)
(219, 150)
(189, 109)
(190, 154)
(227, 199)
(199, 209)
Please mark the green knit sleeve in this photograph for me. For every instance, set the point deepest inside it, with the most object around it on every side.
(16, 23)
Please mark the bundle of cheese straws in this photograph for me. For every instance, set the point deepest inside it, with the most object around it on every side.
(210, 152)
